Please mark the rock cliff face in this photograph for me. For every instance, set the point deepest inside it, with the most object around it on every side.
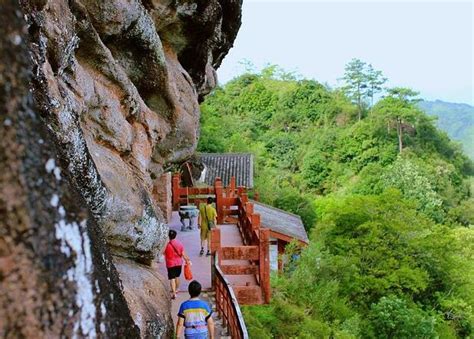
(116, 86)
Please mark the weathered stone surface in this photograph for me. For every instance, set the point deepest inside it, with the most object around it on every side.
(147, 296)
(162, 195)
(56, 276)
(118, 84)
(116, 87)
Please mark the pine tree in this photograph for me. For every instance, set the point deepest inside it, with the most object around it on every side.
(375, 80)
(356, 83)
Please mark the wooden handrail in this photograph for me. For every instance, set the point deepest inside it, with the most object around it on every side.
(233, 202)
(227, 305)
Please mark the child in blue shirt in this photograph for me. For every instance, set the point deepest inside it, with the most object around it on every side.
(195, 316)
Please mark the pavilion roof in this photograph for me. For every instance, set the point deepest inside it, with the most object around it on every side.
(226, 166)
(281, 222)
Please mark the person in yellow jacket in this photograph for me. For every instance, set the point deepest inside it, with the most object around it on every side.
(207, 220)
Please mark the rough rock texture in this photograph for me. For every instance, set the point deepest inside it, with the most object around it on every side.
(146, 293)
(56, 275)
(116, 85)
(162, 195)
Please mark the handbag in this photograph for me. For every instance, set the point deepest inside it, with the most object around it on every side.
(188, 274)
(210, 223)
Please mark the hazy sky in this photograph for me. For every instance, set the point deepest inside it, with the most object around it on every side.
(425, 45)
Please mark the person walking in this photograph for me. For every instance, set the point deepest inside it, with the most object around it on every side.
(195, 316)
(207, 220)
(174, 254)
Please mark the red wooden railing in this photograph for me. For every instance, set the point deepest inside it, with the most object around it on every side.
(233, 206)
(227, 305)
(189, 195)
(258, 258)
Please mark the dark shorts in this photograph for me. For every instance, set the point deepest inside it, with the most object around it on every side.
(174, 272)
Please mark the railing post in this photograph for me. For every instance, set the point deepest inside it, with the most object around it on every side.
(255, 221)
(256, 196)
(264, 263)
(219, 200)
(281, 252)
(175, 189)
(232, 186)
(249, 208)
(215, 247)
(248, 227)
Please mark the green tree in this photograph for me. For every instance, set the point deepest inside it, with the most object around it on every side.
(393, 317)
(379, 262)
(315, 170)
(399, 108)
(409, 179)
(375, 81)
(356, 83)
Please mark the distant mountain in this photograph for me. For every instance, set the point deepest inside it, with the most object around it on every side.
(455, 119)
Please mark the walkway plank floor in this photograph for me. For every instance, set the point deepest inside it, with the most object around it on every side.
(201, 265)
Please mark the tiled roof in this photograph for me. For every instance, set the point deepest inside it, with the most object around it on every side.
(226, 166)
(281, 221)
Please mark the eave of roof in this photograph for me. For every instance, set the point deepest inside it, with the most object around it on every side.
(281, 222)
(227, 165)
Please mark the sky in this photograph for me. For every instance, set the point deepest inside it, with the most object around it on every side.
(425, 45)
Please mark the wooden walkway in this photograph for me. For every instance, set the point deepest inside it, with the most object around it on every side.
(240, 248)
(230, 236)
(201, 265)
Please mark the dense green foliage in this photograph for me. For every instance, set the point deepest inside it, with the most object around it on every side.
(455, 119)
(376, 267)
(386, 199)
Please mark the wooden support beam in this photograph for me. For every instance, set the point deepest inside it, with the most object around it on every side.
(255, 221)
(240, 253)
(231, 212)
(230, 201)
(175, 187)
(248, 295)
(281, 251)
(239, 269)
(215, 239)
(286, 238)
(219, 200)
(264, 263)
(256, 196)
(215, 247)
(232, 185)
(249, 208)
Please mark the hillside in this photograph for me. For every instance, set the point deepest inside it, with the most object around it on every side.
(383, 193)
(455, 119)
